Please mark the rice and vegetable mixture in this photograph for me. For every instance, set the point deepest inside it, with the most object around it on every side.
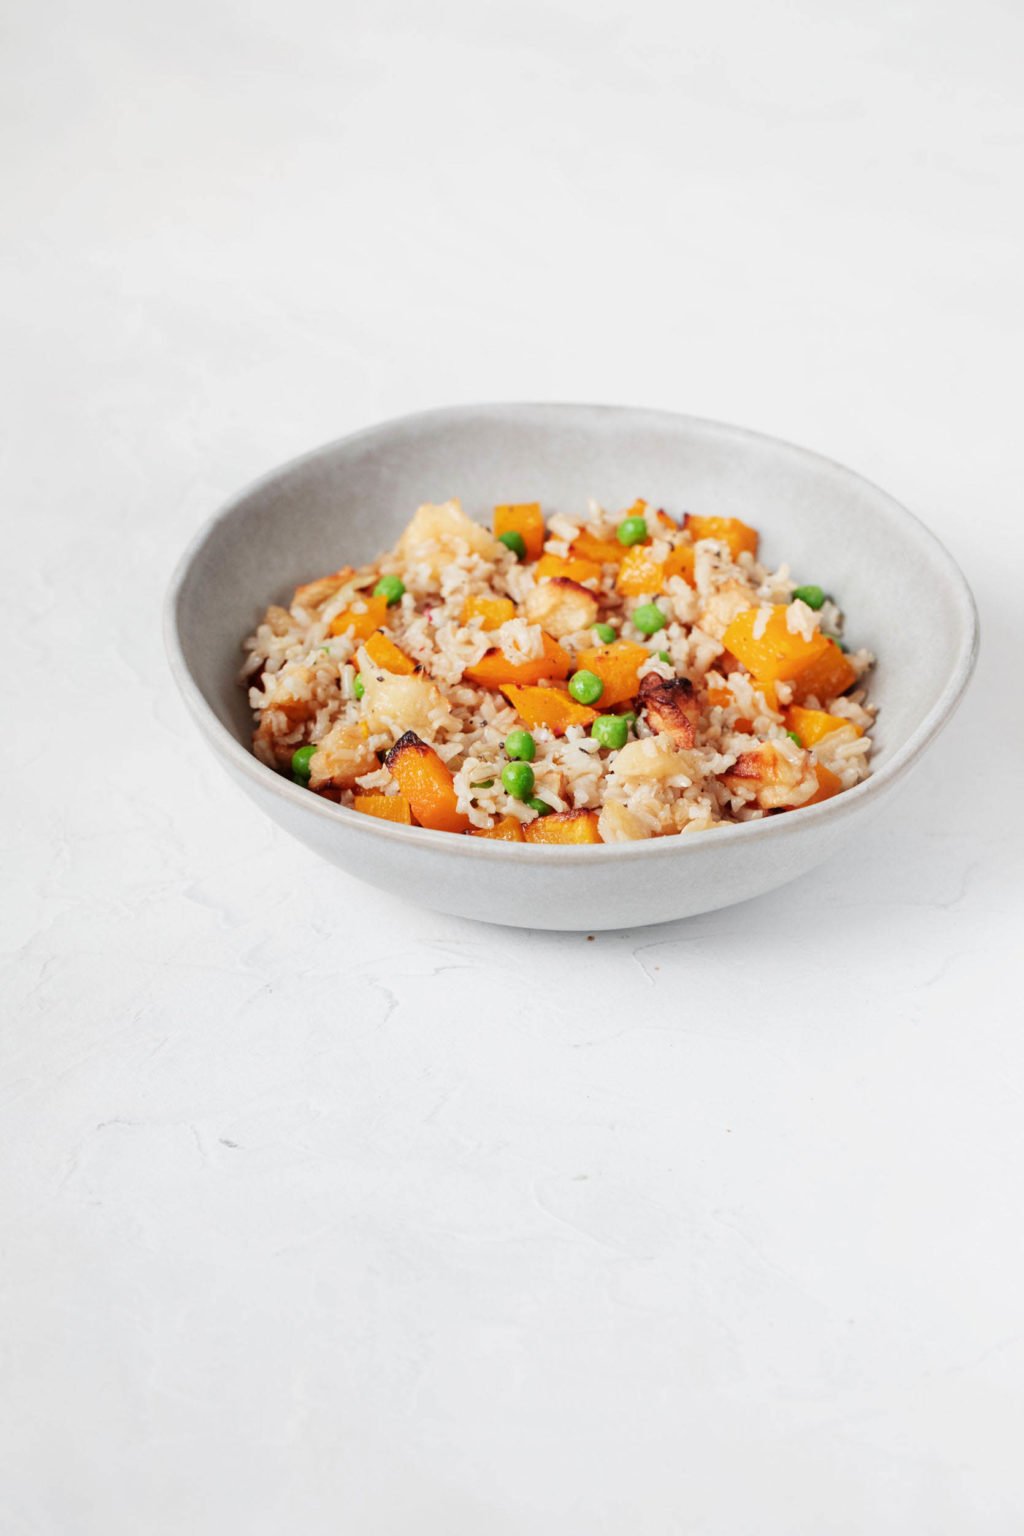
(584, 680)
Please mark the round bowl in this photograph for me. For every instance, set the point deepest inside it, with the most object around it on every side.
(902, 594)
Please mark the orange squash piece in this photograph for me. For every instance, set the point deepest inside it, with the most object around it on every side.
(492, 612)
(494, 669)
(548, 708)
(638, 573)
(385, 807)
(564, 827)
(587, 546)
(680, 563)
(616, 664)
(527, 520)
(729, 530)
(812, 724)
(361, 625)
(829, 784)
(426, 783)
(383, 651)
(572, 569)
(816, 666)
(826, 676)
(505, 830)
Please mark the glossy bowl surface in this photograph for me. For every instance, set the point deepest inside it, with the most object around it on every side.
(901, 592)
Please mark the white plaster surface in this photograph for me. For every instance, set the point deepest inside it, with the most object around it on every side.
(320, 1213)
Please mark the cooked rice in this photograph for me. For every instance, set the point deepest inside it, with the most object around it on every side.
(741, 764)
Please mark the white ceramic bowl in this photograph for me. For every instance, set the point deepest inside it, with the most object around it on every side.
(901, 592)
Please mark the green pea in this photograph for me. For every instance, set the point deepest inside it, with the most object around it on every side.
(813, 596)
(648, 618)
(794, 737)
(632, 530)
(482, 784)
(629, 717)
(359, 687)
(518, 780)
(520, 744)
(301, 759)
(515, 542)
(611, 731)
(664, 656)
(586, 687)
(540, 806)
(391, 587)
(604, 633)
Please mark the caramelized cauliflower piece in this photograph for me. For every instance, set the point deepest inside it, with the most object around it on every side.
(561, 606)
(652, 758)
(342, 757)
(438, 534)
(670, 708)
(780, 775)
(396, 703)
(617, 824)
(731, 598)
(313, 594)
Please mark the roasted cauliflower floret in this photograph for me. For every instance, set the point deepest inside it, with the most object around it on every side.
(341, 757)
(438, 534)
(395, 703)
(313, 594)
(560, 606)
(617, 824)
(777, 775)
(670, 707)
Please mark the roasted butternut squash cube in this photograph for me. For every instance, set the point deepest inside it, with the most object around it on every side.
(616, 664)
(384, 807)
(639, 573)
(812, 724)
(492, 612)
(527, 520)
(778, 655)
(427, 784)
(506, 830)
(728, 530)
(360, 625)
(494, 669)
(548, 708)
(384, 653)
(564, 827)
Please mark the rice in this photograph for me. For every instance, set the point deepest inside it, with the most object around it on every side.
(722, 698)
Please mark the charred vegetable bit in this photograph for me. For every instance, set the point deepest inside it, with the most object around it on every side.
(426, 783)
(670, 708)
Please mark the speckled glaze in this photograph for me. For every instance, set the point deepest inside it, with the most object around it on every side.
(902, 594)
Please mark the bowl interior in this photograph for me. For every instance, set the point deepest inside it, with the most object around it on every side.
(901, 593)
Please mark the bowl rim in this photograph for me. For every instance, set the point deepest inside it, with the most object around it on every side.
(839, 807)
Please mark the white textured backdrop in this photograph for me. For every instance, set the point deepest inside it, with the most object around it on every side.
(322, 1214)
